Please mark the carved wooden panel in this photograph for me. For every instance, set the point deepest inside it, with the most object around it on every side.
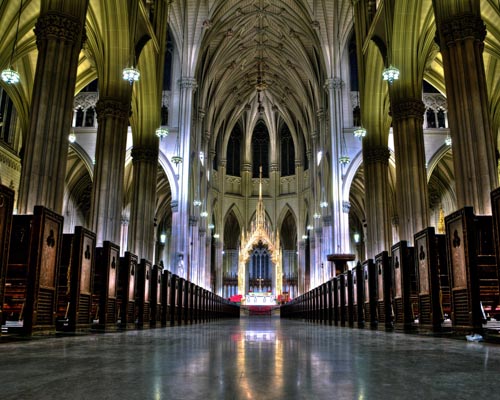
(380, 280)
(147, 282)
(49, 254)
(457, 247)
(86, 257)
(113, 266)
(422, 248)
(132, 276)
(396, 260)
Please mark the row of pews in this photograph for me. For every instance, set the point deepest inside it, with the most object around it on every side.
(445, 282)
(54, 282)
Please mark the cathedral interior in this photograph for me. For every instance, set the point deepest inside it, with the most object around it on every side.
(247, 147)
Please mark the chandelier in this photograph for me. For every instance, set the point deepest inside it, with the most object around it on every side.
(177, 158)
(390, 74)
(132, 74)
(344, 160)
(161, 132)
(360, 132)
(9, 75)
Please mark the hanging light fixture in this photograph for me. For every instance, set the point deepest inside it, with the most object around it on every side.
(132, 74)
(9, 75)
(359, 132)
(390, 74)
(176, 158)
(210, 226)
(72, 137)
(344, 159)
(323, 203)
(317, 215)
(161, 132)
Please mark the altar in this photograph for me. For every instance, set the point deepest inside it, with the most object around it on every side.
(260, 299)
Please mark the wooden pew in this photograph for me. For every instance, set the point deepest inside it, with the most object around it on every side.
(179, 306)
(358, 295)
(143, 293)
(127, 281)
(156, 297)
(384, 290)
(472, 268)
(76, 279)
(342, 291)
(192, 295)
(31, 281)
(185, 302)
(105, 289)
(165, 298)
(430, 259)
(172, 304)
(349, 299)
(405, 294)
(326, 304)
(370, 293)
(336, 300)
(330, 301)
(6, 208)
(495, 208)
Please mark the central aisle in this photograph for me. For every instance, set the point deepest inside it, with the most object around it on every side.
(251, 358)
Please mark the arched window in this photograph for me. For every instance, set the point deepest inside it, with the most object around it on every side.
(287, 152)
(260, 150)
(233, 154)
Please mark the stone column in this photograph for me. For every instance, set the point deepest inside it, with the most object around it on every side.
(107, 190)
(59, 34)
(202, 239)
(301, 268)
(218, 265)
(143, 204)
(376, 168)
(193, 248)
(461, 33)
(327, 236)
(411, 175)
(181, 233)
(334, 87)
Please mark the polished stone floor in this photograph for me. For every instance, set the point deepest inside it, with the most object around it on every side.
(251, 358)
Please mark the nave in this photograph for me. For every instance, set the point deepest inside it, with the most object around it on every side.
(249, 358)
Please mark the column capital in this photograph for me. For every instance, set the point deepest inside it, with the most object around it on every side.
(408, 108)
(246, 167)
(55, 25)
(334, 83)
(346, 207)
(274, 167)
(144, 154)
(376, 154)
(193, 221)
(108, 107)
(461, 27)
(174, 205)
(187, 82)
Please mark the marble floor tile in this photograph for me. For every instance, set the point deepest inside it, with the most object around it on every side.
(251, 358)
